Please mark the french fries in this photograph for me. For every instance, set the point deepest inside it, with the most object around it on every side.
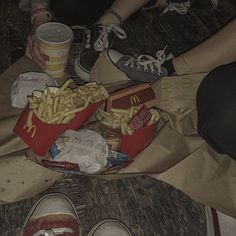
(155, 116)
(117, 122)
(60, 105)
(119, 118)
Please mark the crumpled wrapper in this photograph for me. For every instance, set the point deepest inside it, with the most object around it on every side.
(26, 83)
(86, 148)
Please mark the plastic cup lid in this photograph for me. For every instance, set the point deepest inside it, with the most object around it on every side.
(54, 33)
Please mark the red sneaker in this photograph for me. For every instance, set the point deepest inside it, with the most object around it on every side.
(53, 214)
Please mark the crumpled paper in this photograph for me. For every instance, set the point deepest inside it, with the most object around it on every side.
(26, 83)
(86, 148)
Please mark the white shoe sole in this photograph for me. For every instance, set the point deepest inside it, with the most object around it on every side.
(83, 74)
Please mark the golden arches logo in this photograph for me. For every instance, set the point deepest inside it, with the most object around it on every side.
(134, 99)
(32, 128)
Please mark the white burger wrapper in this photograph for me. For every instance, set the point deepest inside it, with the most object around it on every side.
(26, 83)
(85, 147)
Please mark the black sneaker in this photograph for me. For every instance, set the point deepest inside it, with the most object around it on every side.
(205, 4)
(97, 39)
(84, 63)
(182, 6)
(144, 68)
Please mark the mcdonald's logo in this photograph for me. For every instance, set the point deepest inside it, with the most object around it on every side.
(134, 99)
(32, 128)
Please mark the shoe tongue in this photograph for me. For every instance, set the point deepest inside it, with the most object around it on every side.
(49, 233)
(95, 33)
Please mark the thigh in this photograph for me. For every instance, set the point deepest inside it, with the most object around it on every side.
(216, 105)
(79, 12)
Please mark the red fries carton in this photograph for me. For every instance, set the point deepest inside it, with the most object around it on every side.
(83, 115)
(141, 118)
(39, 134)
(138, 141)
(129, 130)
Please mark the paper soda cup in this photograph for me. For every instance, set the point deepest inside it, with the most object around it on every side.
(54, 41)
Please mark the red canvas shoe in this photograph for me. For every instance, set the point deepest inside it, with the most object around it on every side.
(53, 214)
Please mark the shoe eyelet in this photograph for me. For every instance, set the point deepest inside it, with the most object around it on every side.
(154, 72)
(139, 69)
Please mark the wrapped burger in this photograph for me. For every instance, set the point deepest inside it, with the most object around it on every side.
(84, 150)
(26, 83)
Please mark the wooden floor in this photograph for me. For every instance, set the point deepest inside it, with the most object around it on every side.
(148, 207)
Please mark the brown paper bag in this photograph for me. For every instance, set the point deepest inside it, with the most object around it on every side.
(176, 97)
(106, 73)
(197, 170)
(21, 178)
(194, 167)
(207, 177)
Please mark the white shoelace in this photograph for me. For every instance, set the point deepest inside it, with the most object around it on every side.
(102, 42)
(181, 8)
(53, 232)
(148, 62)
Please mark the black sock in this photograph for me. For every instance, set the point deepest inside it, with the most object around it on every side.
(169, 66)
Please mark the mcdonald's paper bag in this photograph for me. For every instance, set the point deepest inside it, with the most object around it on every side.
(177, 155)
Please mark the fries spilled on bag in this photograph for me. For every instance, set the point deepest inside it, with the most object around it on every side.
(125, 121)
(60, 105)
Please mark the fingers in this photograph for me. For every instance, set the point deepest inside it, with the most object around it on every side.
(37, 55)
(27, 52)
(33, 51)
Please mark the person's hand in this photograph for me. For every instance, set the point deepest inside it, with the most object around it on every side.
(33, 51)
